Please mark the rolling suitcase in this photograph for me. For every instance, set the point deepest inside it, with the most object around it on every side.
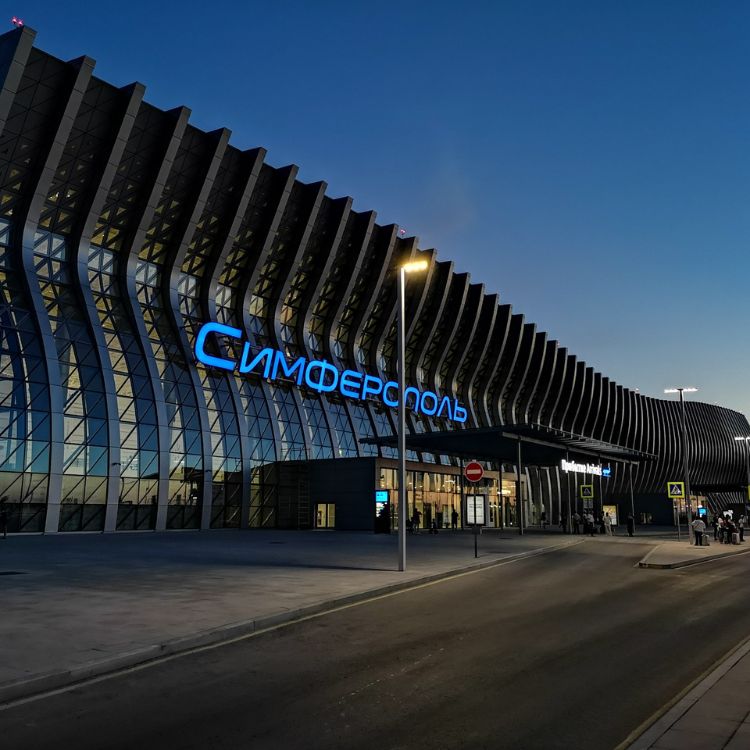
(735, 538)
(705, 542)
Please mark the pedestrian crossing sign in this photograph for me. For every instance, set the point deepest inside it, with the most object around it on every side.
(587, 491)
(676, 490)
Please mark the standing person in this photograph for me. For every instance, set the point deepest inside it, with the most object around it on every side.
(741, 521)
(576, 523)
(715, 525)
(729, 531)
(454, 519)
(699, 527)
(591, 522)
(544, 520)
(631, 524)
(416, 517)
(608, 524)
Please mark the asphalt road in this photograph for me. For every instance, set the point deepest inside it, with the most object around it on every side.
(571, 649)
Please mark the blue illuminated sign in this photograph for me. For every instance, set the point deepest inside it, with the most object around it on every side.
(606, 471)
(381, 496)
(323, 377)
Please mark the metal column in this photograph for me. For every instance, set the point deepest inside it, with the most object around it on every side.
(519, 498)
(688, 506)
(569, 527)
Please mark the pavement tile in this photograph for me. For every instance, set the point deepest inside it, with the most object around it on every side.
(741, 739)
(724, 690)
(706, 724)
(676, 739)
(722, 706)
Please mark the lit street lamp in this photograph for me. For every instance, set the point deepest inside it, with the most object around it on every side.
(688, 506)
(414, 266)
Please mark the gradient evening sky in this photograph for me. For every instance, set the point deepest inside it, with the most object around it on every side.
(589, 161)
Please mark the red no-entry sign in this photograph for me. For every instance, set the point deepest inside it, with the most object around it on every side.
(473, 471)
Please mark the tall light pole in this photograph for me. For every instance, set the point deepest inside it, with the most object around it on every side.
(417, 265)
(689, 509)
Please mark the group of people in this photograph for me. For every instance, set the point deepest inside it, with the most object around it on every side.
(414, 523)
(726, 529)
(589, 524)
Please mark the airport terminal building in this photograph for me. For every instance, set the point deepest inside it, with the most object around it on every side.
(192, 338)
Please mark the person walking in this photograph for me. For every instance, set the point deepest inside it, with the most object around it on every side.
(543, 520)
(741, 521)
(576, 523)
(715, 525)
(699, 528)
(454, 519)
(591, 522)
(608, 524)
(631, 524)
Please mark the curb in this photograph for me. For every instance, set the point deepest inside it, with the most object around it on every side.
(658, 724)
(223, 634)
(685, 563)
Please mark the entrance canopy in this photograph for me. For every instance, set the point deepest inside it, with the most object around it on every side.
(542, 446)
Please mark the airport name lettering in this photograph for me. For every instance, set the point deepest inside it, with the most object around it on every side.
(595, 469)
(323, 377)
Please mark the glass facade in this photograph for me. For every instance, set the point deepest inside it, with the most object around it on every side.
(123, 229)
(433, 495)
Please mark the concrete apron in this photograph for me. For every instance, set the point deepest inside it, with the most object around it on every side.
(44, 683)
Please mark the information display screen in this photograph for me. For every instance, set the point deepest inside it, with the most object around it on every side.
(475, 510)
(612, 510)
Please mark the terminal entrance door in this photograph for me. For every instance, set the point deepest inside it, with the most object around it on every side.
(325, 516)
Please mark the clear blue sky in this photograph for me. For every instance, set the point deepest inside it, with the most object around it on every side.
(590, 161)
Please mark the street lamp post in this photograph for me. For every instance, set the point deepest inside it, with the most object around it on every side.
(688, 506)
(418, 265)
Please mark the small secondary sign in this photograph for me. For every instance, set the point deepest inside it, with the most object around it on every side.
(473, 471)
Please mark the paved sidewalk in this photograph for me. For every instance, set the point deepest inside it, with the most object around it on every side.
(682, 554)
(714, 715)
(78, 605)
